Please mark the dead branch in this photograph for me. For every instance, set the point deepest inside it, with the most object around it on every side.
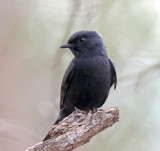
(77, 129)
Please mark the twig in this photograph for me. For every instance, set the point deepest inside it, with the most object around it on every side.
(77, 129)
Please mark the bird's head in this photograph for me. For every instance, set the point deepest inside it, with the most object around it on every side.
(86, 43)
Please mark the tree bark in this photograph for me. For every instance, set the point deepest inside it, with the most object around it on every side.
(77, 129)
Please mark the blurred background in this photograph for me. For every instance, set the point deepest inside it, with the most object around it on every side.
(32, 67)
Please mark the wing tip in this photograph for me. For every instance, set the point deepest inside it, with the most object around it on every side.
(115, 85)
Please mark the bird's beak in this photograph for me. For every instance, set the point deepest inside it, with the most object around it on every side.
(66, 45)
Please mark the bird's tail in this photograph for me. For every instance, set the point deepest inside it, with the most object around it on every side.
(63, 113)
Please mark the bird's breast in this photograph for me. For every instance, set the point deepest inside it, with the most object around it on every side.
(91, 82)
(93, 71)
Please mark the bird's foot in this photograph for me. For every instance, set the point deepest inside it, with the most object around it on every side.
(79, 111)
(94, 110)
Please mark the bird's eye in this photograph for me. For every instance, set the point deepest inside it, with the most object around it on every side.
(82, 40)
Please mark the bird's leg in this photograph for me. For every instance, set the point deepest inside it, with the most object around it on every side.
(79, 111)
(76, 110)
(94, 110)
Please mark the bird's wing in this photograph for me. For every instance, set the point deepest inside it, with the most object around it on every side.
(66, 82)
(113, 74)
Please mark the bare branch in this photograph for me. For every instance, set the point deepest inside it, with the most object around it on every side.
(77, 129)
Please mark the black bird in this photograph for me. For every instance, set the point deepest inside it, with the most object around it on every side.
(89, 77)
